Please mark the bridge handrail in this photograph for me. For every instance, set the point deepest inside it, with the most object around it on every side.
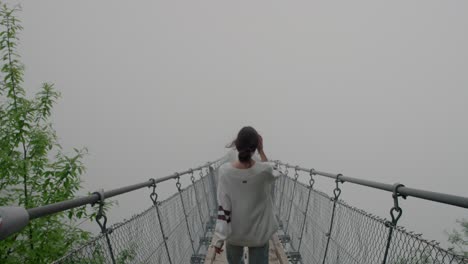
(13, 219)
(450, 199)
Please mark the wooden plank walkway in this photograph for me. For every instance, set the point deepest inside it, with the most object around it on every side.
(277, 255)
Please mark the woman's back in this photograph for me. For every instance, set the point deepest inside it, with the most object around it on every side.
(247, 193)
(245, 213)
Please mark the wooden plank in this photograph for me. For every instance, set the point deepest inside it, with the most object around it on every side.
(276, 254)
(281, 255)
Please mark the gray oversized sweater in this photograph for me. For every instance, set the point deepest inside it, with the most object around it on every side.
(245, 212)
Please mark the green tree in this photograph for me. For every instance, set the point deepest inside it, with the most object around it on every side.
(459, 239)
(34, 170)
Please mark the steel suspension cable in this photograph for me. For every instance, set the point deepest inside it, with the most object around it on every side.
(455, 200)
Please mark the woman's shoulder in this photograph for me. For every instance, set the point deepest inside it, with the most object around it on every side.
(225, 168)
(227, 165)
(222, 168)
(259, 167)
(264, 167)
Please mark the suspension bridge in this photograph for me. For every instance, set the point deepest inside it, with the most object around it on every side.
(315, 227)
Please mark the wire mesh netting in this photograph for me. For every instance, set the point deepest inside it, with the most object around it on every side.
(357, 237)
(140, 239)
(305, 214)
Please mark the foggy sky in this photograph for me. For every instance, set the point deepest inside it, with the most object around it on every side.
(371, 89)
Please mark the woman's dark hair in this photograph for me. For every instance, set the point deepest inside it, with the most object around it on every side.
(246, 143)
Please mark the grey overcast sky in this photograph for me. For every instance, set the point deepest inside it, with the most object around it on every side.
(371, 89)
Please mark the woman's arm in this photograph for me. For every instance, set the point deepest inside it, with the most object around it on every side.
(263, 157)
(223, 223)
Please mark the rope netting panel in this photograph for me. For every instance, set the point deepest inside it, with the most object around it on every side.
(140, 239)
(357, 237)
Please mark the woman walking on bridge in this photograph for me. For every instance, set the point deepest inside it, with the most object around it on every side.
(245, 213)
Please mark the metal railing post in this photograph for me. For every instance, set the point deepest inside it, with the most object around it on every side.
(178, 185)
(282, 190)
(311, 186)
(104, 230)
(395, 213)
(296, 175)
(204, 192)
(192, 178)
(336, 192)
(154, 198)
(214, 191)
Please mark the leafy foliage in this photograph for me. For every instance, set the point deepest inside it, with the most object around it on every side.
(34, 170)
(97, 256)
(460, 238)
(127, 255)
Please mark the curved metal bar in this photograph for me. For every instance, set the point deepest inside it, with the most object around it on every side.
(455, 200)
(49, 209)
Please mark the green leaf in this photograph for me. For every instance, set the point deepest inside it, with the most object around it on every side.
(31, 173)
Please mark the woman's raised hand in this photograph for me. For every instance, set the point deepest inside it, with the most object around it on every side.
(260, 143)
(263, 157)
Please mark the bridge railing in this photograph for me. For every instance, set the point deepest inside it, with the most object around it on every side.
(322, 229)
(167, 232)
(317, 228)
(171, 231)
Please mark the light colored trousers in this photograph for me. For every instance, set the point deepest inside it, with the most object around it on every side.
(257, 255)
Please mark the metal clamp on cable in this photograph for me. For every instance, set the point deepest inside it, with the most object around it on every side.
(192, 178)
(396, 210)
(395, 213)
(296, 173)
(279, 169)
(101, 213)
(276, 166)
(177, 177)
(153, 194)
(312, 181)
(338, 178)
(337, 190)
(210, 167)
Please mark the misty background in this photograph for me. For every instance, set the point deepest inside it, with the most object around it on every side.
(371, 89)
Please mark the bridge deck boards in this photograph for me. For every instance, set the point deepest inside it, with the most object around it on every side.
(277, 255)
